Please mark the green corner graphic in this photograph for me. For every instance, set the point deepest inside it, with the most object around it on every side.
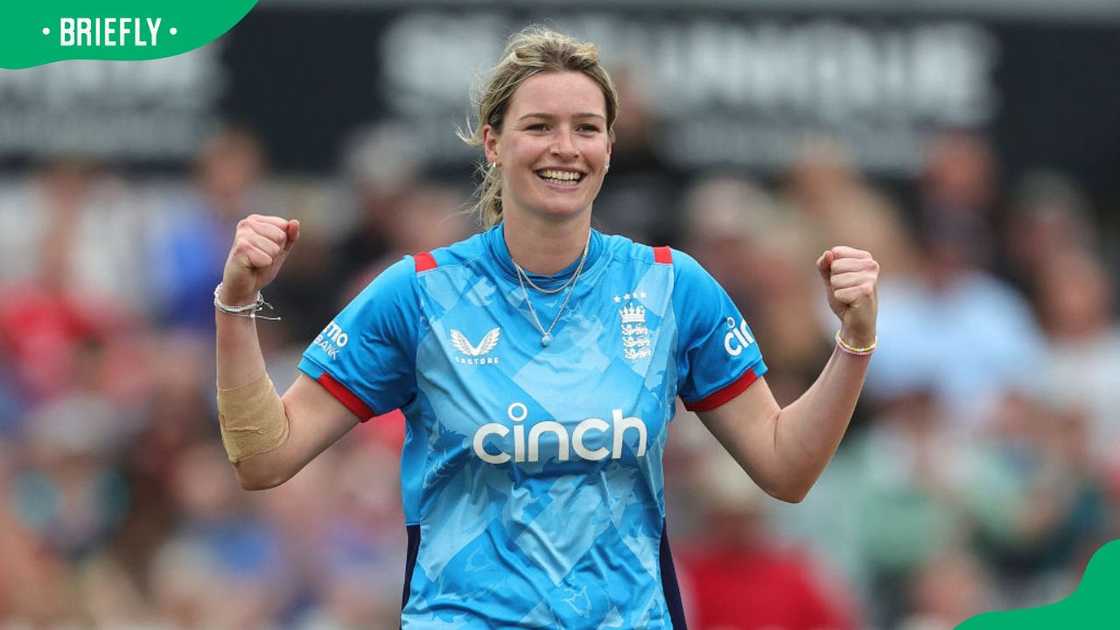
(34, 33)
(1092, 605)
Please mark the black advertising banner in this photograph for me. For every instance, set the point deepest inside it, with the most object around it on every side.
(736, 88)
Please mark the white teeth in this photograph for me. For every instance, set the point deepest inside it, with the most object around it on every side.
(565, 176)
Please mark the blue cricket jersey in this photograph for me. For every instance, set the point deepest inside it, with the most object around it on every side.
(532, 476)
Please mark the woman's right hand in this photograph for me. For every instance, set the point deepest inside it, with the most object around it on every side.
(260, 245)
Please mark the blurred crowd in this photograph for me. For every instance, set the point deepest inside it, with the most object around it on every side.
(980, 471)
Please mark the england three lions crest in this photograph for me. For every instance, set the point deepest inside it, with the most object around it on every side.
(632, 322)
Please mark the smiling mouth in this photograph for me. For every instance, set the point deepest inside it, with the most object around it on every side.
(562, 177)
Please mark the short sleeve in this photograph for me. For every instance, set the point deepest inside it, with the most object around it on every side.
(717, 355)
(366, 355)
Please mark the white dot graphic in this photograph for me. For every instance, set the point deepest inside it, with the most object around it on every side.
(174, 31)
(517, 412)
(46, 30)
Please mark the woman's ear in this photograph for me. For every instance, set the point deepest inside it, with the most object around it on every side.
(490, 145)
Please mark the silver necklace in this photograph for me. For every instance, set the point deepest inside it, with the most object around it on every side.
(521, 273)
(522, 278)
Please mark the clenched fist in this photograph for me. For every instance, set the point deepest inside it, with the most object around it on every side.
(851, 277)
(260, 246)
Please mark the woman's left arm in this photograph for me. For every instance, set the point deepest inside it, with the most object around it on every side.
(785, 449)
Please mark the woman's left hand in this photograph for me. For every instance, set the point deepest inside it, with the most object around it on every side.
(851, 277)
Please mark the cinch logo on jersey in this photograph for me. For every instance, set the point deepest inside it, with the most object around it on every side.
(472, 354)
(738, 339)
(332, 339)
(590, 429)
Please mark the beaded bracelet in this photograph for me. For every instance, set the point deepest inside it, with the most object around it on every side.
(850, 349)
(245, 310)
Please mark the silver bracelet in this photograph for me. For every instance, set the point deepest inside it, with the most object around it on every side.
(245, 310)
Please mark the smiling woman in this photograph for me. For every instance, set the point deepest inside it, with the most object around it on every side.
(532, 477)
(539, 66)
(552, 153)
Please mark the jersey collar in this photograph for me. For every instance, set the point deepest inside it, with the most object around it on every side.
(496, 244)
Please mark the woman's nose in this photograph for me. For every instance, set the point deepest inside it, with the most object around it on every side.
(563, 146)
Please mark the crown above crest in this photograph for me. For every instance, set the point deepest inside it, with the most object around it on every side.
(632, 314)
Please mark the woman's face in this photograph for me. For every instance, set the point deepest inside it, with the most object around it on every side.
(553, 148)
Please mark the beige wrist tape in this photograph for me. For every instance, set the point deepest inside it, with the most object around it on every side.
(252, 419)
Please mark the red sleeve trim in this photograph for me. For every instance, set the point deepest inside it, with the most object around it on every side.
(344, 396)
(716, 399)
(663, 255)
(425, 261)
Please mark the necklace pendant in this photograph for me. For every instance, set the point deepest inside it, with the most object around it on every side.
(546, 339)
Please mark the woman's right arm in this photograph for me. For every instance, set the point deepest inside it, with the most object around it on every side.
(268, 438)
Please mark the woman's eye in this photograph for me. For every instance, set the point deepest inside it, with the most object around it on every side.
(589, 128)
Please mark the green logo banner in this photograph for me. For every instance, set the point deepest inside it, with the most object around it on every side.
(33, 33)
(1092, 605)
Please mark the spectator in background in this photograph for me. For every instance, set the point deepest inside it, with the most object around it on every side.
(191, 589)
(178, 415)
(970, 334)
(360, 549)
(909, 494)
(78, 228)
(1049, 217)
(426, 218)
(725, 218)
(1076, 301)
(65, 269)
(304, 299)
(1037, 529)
(898, 495)
(66, 501)
(741, 576)
(957, 196)
(230, 570)
(383, 169)
(43, 329)
(108, 596)
(640, 197)
(751, 244)
(191, 243)
(833, 202)
(32, 574)
(788, 317)
(68, 488)
(949, 589)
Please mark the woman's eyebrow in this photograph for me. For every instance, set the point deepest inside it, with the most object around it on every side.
(551, 116)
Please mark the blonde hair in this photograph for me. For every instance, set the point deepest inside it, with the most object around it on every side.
(529, 52)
